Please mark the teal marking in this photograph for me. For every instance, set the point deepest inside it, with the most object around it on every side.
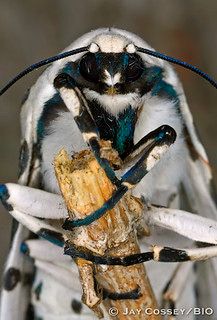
(153, 74)
(125, 130)
(52, 236)
(24, 248)
(165, 89)
(125, 59)
(161, 87)
(37, 290)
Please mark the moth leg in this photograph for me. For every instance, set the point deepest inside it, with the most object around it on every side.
(33, 202)
(187, 224)
(167, 254)
(77, 105)
(158, 142)
(175, 286)
(90, 297)
(38, 226)
(129, 158)
(160, 254)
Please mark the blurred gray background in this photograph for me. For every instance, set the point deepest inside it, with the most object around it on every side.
(32, 30)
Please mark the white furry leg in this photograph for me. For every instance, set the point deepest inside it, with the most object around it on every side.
(182, 222)
(35, 202)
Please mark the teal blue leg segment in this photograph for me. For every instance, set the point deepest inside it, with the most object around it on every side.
(4, 195)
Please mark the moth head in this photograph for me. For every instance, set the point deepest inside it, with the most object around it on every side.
(112, 72)
(109, 40)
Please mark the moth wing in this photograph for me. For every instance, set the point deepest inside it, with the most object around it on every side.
(199, 189)
(15, 299)
(197, 180)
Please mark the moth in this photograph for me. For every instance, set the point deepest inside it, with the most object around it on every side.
(129, 95)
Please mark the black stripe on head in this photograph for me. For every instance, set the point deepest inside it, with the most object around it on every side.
(11, 278)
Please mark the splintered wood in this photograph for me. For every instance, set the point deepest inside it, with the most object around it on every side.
(85, 188)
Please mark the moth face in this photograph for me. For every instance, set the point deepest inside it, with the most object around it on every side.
(110, 73)
(113, 74)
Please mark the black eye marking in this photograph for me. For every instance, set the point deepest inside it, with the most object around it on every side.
(89, 67)
(134, 68)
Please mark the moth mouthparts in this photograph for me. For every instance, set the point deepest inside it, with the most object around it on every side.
(111, 91)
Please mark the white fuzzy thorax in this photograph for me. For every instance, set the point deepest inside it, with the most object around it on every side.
(111, 42)
(64, 133)
(116, 103)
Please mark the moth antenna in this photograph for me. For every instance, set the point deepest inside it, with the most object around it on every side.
(82, 49)
(180, 63)
(41, 64)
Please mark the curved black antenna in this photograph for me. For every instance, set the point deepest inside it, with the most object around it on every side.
(180, 63)
(82, 49)
(41, 64)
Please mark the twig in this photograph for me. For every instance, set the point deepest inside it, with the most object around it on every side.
(85, 187)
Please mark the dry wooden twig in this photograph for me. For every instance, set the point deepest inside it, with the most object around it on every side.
(85, 187)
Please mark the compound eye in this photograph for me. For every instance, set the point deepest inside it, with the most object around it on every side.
(88, 67)
(134, 68)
